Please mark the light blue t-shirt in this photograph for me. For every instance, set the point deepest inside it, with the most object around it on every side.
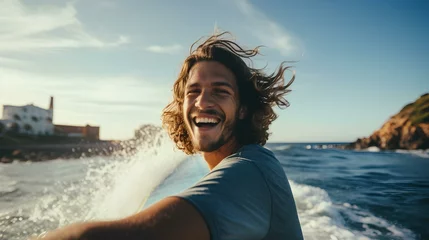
(246, 196)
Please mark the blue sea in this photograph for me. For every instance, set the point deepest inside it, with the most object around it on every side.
(340, 194)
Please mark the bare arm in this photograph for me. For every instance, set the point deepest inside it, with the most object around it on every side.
(170, 218)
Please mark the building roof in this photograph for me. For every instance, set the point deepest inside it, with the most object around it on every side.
(68, 129)
(28, 105)
(72, 129)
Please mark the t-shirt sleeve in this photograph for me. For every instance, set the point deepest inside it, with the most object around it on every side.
(234, 200)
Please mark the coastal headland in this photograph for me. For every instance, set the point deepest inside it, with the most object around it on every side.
(408, 129)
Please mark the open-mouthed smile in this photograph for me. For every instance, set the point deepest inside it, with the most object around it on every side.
(205, 122)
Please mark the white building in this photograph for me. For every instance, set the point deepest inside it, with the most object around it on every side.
(28, 119)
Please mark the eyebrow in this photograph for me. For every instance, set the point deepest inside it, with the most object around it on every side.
(193, 85)
(215, 84)
(222, 84)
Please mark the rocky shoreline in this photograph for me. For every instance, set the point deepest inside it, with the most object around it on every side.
(45, 152)
(43, 148)
(408, 129)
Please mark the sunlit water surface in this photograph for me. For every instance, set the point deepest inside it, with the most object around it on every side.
(339, 194)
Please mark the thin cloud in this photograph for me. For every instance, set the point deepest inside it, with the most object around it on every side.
(23, 29)
(170, 49)
(22, 86)
(272, 34)
(4, 61)
(120, 104)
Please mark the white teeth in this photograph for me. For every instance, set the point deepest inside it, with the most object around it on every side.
(206, 120)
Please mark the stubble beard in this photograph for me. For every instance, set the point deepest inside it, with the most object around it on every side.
(226, 135)
(211, 145)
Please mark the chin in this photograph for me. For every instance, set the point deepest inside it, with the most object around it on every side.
(204, 146)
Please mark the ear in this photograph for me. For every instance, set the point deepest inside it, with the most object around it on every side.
(242, 112)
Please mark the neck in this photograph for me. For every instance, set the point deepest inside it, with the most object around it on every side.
(215, 157)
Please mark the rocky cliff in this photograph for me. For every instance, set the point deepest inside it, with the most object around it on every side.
(408, 129)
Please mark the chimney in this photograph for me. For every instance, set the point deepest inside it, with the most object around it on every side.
(51, 104)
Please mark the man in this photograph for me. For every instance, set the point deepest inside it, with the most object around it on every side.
(222, 108)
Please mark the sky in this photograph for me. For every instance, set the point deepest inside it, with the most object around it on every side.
(112, 63)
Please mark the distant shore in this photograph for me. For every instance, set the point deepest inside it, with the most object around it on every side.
(36, 149)
(45, 152)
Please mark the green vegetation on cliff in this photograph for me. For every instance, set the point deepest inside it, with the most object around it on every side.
(420, 110)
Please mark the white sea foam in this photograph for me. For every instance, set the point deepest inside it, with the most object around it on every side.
(114, 187)
(6, 184)
(322, 219)
(420, 153)
(134, 181)
(321, 146)
(372, 149)
(281, 147)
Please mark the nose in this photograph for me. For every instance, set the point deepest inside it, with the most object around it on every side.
(204, 101)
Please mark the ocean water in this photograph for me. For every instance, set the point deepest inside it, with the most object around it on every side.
(340, 194)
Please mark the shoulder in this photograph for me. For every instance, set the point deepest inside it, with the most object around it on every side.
(254, 153)
(251, 165)
(262, 158)
(233, 177)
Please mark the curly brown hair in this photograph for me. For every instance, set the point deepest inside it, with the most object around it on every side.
(258, 92)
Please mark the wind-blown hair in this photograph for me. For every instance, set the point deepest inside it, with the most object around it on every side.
(258, 92)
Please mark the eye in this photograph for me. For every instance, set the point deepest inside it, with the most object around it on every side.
(192, 91)
(222, 91)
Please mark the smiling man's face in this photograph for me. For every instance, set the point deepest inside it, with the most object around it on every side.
(210, 105)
